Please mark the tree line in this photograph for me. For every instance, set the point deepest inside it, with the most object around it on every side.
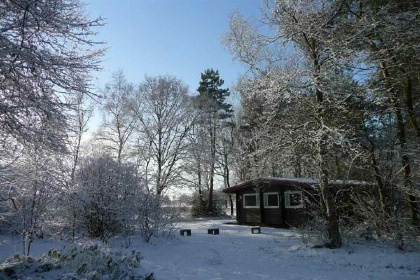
(331, 92)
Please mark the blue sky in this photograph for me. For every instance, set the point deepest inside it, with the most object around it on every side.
(174, 37)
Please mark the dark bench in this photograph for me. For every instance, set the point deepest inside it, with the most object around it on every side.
(255, 230)
(213, 231)
(185, 231)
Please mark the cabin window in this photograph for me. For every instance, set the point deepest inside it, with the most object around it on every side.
(271, 200)
(293, 199)
(251, 201)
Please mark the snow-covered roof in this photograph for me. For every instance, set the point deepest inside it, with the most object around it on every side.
(296, 182)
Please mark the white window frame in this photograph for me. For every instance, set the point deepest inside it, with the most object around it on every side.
(287, 199)
(266, 200)
(257, 199)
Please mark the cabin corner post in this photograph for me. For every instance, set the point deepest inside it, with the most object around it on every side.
(283, 208)
(238, 210)
(261, 194)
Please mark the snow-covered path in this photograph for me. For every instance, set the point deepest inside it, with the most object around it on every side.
(274, 254)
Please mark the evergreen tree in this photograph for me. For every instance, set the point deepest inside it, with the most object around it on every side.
(212, 97)
(215, 112)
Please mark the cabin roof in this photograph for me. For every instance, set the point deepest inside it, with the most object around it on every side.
(294, 182)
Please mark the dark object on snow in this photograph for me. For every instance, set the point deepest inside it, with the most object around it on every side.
(213, 231)
(8, 270)
(185, 231)
(255, 230)
(150, 276)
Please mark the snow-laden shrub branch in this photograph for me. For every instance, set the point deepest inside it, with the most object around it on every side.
(78, 262)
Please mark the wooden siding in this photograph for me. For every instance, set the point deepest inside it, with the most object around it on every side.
(272, 216)
(250, 216)
(281, 216)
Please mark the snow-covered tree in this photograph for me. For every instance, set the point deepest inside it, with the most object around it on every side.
(214, 113)
(46, 54)
(162, 112)
(37, 180)
(306, 100)
(118, 120)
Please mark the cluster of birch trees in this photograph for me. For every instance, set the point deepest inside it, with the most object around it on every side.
(57, 177)
(174, 139)
(54, 181)
(332, 92)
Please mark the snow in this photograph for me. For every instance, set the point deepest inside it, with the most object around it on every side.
(10, 246)
(307, 181)
(316, 182)
(238, 254)
(274, 254)
(299, 180)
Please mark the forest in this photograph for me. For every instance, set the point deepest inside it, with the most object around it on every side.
(331, 91)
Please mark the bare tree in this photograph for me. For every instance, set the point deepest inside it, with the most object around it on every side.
(80, 126)
(161, 109)
(118, 122)
(226, 150)
(196, 167)
(81, 117)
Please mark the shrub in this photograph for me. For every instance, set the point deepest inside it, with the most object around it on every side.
(105, 189)
(91, 262)
(153, 218)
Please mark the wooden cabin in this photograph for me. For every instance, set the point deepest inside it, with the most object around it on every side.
(279, 202)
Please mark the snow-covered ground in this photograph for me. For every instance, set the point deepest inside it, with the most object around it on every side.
(238, 254)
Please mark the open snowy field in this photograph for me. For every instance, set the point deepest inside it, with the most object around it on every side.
(238, 254)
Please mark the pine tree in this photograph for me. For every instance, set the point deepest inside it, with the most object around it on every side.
(215, 112)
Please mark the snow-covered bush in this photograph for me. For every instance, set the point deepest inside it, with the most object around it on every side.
(153, 218)
(107, 190)
(313, 231)
(370, 222)
(26, 196)
(79, 262)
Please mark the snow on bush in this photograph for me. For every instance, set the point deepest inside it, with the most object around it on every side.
(79, 262)
(153, 218)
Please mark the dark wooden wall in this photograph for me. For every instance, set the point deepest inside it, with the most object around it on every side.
(270, 216)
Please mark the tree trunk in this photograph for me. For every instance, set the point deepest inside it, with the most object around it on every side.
(408, 91)
(212, 164)
(331, 217)
(200, 188)
(210, 200)
(405, 160)
(231, 204)
(378, 178)
(332, 225)
(159, 187)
